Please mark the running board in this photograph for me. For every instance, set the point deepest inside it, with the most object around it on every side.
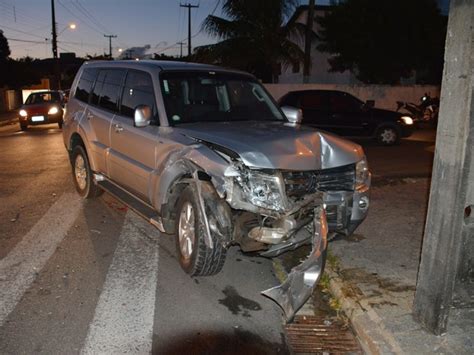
(139, 207)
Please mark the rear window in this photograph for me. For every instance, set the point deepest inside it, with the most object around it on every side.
(43, 97)
(84, 86)
(107, 89)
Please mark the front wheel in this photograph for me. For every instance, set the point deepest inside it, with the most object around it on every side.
(23, 127)
(82, 174)
(60, 124)
(387, 135)
(195, 257)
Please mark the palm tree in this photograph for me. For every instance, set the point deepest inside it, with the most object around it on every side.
(253, 37)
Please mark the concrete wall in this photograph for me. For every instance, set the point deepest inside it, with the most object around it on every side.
(385, 96)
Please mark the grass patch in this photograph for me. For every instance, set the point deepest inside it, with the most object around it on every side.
(280, 272)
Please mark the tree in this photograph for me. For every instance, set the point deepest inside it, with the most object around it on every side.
(253, 37)
(383, 41)
(4, 48)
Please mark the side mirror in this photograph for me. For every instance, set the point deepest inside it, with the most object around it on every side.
(293, 115)
(142, 116)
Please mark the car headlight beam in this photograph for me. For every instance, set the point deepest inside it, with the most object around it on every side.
(53, 110)
(407, 120)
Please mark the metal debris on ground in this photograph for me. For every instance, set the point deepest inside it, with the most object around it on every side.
(317, 335)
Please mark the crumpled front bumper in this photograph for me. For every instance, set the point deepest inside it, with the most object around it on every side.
(292, 294)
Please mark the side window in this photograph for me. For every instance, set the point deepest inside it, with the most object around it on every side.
(313, 101)
(110, 91)
(289, 99)
(138, 90)
(98, 88)
(85, 84)
(342, 102)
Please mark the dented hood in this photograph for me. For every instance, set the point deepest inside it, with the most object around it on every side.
(277, 145)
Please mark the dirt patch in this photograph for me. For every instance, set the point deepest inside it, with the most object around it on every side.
(358, 275)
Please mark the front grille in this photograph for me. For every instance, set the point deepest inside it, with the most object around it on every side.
(300, 183)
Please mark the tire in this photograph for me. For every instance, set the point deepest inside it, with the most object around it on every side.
(387, 135)
(195, 257)
(60, 124)
(23, 127)
(82, 174)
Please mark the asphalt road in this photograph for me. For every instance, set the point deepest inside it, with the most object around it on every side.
(91, 277)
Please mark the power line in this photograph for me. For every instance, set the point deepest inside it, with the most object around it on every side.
(92, 17)
(23, 32)
(79, 19)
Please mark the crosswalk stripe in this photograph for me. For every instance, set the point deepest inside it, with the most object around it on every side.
(123, 320)
(20, 267)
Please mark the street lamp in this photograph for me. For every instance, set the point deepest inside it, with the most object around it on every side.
(71, 26)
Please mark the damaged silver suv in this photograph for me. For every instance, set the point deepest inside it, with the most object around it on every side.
(205, 154)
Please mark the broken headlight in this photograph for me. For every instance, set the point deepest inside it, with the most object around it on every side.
(261, 189)
(362, 174)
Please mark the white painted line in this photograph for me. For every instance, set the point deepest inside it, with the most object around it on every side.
(123, 320)
(20, 267)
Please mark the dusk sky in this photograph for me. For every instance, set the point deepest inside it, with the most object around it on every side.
(157, 23)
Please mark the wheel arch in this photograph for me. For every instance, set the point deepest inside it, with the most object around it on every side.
(77, 139)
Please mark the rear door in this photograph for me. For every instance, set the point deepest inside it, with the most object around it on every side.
(132, 156)
(100, 112)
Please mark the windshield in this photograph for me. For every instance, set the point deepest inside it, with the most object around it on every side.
(41, 97)
(215, 97)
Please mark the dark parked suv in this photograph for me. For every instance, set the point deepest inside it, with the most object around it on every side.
(344, 114)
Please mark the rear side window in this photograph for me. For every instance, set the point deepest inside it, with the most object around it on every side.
(84, 86)
(138, 90)
(314, 101)
(107, 89)
(342, 102)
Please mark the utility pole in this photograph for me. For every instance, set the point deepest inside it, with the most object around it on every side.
(307, 42)
(445, 276)
(189, 6)
(181, 49)
(55, 47)
(110, 44)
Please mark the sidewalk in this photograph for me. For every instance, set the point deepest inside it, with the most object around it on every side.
(7, 118)
(373, 275)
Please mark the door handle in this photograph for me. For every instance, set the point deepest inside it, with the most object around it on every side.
(118, 128)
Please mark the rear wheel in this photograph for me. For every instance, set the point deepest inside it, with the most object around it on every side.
(387, 135)
(82, 174)
(195, 257)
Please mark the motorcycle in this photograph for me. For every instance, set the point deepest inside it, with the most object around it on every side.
(426, 112)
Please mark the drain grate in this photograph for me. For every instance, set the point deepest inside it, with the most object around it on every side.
(316, 335)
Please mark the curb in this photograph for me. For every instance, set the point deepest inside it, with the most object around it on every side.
(367, 324)
(8, 122)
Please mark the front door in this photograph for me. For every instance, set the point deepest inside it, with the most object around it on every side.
(132, 156)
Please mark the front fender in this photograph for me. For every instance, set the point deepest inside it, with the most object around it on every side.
(184, 162)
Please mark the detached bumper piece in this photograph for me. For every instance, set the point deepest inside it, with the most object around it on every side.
(292, 294)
